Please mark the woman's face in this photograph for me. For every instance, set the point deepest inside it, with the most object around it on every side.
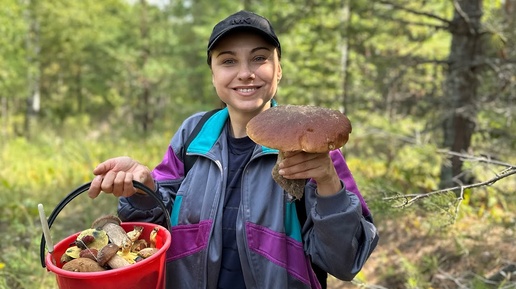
(245, 72)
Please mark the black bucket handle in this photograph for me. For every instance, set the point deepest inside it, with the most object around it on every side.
(83, 189)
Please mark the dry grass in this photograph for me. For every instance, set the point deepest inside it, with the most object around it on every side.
(469, 254)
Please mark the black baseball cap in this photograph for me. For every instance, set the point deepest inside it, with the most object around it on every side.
(243, 20)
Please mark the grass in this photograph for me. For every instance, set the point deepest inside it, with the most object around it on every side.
(44, 170)
(51, 165)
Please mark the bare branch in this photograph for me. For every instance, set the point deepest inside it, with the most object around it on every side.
(488, 160)
(403, 8)
(434, 26)
(410, 199)
(464, 16)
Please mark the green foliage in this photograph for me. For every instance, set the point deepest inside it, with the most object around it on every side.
(92, 63)
(44, 170)
(12, 55)
(414, 278)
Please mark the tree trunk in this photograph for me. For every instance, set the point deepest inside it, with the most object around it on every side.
(33, 75)
(145, 106)
(346, 17)
(461, 86)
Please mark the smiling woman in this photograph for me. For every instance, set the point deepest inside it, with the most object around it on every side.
(227, 213)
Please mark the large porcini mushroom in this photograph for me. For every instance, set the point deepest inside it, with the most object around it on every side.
(290, 128)
(111, 225)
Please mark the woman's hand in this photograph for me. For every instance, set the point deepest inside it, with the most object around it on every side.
(318, 166)
(115, 176)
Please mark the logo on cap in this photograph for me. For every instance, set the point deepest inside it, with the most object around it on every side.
(240, 21)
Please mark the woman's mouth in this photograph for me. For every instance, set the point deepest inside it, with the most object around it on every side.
(246, 90)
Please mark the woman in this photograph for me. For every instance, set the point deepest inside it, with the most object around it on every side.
(232, 225)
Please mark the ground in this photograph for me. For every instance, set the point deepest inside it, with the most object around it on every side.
(468, 254)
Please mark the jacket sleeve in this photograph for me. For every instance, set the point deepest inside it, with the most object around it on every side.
(338, 236)
(142, 208)
(168, 176)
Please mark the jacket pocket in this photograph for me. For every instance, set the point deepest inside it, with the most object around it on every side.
(188, 239)
(281, 250)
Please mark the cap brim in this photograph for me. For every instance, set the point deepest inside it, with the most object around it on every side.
(229, 30)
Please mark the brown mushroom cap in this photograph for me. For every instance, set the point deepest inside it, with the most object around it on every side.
(83, 265)
(89, 253)
(102, 221)
(300, 128)
(106, 253)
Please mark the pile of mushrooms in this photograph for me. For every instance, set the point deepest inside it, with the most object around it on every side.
(291, 128)
(106, 245)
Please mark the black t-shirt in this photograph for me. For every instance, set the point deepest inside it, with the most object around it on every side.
(240, 151)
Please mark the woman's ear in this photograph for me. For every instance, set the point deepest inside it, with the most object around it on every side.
(280, 72)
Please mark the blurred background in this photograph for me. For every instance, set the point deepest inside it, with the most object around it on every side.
(429, 86)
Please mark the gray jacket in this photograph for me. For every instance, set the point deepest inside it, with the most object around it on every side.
(275, 249)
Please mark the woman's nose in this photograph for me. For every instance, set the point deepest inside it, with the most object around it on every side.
(245, 72)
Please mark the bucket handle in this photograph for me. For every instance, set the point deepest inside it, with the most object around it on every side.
(83, 189)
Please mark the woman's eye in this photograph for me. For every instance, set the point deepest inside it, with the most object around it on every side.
(228, 61)
(260, 58)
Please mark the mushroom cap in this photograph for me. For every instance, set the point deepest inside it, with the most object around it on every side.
(89, 253)
(82, 265)
(73, 252)
(102, 221)
(97, 238)
(106, 253)
(300, 128)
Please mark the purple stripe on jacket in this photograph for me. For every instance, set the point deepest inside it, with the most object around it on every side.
(345, 175)
(188, 239)
(170, 167)
(281, 250)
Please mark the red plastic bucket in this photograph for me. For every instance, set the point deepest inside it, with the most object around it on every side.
(146, 274)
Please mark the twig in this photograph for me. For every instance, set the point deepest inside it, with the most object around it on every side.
(477, 159)
(458, 281)
(416, 12)
(412, 23)
(412, 198)
(464, 16)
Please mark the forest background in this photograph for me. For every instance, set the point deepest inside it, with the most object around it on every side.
(429, 86)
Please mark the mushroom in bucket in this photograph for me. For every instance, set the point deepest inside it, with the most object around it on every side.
(290, 128)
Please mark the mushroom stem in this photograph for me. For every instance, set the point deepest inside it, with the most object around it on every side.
(117, 262)
(295, 187)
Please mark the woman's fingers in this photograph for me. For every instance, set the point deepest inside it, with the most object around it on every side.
(305, 165)
(115, 176)
(94, 189)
